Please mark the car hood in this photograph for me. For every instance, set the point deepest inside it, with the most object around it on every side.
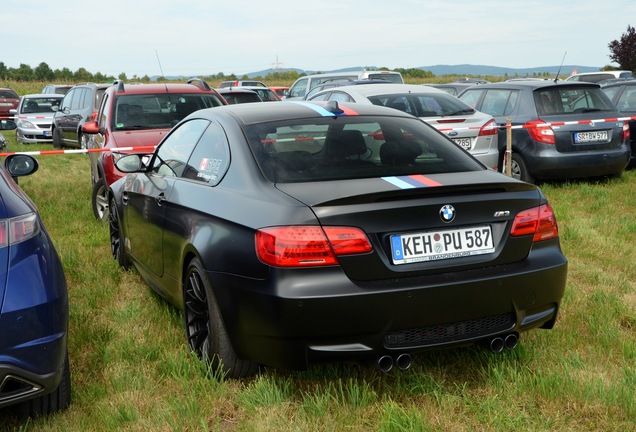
(137, 138)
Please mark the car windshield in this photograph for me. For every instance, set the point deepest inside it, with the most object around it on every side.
(353, 147)
(158, 111)
(424, 105)
(569, 100)
(39, 105)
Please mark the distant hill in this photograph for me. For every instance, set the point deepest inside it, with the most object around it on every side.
(439, 70)
(463, 69)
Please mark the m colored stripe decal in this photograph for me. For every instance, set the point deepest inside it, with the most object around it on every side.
(395, 181)
(409, 182)
(325, 113)
(427, 181)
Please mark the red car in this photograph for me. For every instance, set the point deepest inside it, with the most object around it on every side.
(137, 115)
(9, 100)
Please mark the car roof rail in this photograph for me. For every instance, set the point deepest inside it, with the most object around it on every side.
(120, 85)
(199, 83)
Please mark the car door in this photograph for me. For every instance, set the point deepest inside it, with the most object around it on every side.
(147, 198)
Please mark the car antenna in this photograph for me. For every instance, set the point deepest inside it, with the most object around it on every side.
(161, 69)
(559, 71)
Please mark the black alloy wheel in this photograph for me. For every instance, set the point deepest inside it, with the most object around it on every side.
(205, 331)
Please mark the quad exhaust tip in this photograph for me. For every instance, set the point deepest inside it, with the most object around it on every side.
(385, 363)
(498, 344)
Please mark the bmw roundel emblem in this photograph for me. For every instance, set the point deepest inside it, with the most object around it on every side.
(447, 213)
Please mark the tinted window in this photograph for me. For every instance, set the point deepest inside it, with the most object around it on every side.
(328, 149)
(172, 157)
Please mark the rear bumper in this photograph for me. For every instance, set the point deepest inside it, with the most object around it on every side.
(284, 321)
(545, 162)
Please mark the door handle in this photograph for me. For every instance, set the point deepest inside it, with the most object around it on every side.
(161, 198)
(124, 198)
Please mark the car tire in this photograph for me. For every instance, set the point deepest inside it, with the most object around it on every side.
(99, 200)
(57, 138)
(117, 249)
(58, 400)
(205, 331)
(518, 168)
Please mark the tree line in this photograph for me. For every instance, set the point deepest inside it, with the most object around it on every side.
(622, 51)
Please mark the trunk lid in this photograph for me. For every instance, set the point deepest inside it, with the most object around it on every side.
(396, 210)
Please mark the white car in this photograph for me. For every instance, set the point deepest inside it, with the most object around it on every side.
(34, 117)
(472, 130)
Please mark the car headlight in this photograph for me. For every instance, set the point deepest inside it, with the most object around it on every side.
(26, 124)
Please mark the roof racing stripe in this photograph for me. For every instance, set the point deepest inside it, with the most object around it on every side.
(320, 109)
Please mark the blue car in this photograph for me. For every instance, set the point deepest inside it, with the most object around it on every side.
(34, 366)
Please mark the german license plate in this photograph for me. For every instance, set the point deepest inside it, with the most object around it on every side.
(441, 245)
(587, 137)
(463, 143)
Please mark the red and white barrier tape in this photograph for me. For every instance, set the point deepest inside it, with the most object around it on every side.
(140, 149)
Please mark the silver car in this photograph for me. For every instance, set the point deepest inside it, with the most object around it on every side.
(34, 117)
(472, 130)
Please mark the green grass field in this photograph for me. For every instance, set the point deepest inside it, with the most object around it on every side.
(132, 371)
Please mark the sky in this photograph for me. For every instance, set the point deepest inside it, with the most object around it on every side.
(203, 37)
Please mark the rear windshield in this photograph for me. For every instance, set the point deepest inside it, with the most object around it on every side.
(424, 105)
(569, 100)
(353, 147)
(394, 78)
(8, 94)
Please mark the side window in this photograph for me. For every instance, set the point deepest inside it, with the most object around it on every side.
(498, 103)
(87, 102)
(627, 101)
(101, 115)
(471, 97)
(299, 89)
(339, 96)
(172, 157)
(211, 157)
(66, 103)
(78, 99)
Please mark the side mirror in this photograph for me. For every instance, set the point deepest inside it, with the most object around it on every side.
(7, 125)
(19, 165)
(13, 111)
(90, 127)
(129, 163)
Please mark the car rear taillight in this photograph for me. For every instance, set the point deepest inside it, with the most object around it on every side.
(540, 131)
(626, 134)
(307, 246)
(18, 229)
(489, 128)
(540, 222)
